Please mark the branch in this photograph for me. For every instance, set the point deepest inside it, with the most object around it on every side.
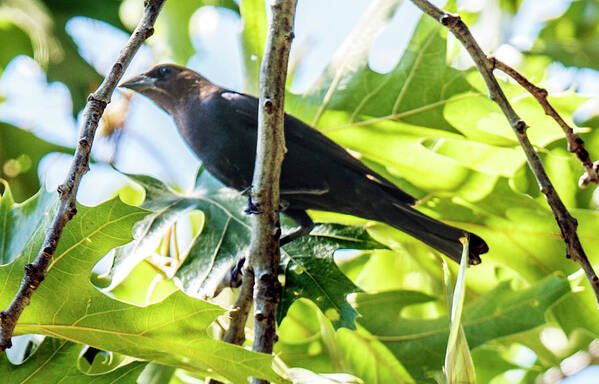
(565, 221)
(265, 254)
(238, 316)
(67, 192)
(575, 143)
(235, 334)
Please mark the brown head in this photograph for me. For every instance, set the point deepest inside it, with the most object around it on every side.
(168, 85)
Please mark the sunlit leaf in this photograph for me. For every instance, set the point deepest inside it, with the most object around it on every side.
(20, 155)
(501, 312)
(253, 37)
(68, 306)
(572, 37)
(20, 221)
(56, 361)
(311, 272)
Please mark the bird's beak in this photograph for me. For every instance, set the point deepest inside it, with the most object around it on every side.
(140, 83)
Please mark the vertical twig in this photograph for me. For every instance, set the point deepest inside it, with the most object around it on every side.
(67, 191)
(565, 221)
(265, 254)
(235, 334)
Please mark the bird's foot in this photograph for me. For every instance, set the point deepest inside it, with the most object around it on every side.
(237, 273)
(252, 209)
(232, 278)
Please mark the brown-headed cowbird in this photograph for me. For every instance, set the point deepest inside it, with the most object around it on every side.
(220, 126)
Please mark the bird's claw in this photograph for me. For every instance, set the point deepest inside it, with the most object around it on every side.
(232, 278)
(252, 209)
(237, 273)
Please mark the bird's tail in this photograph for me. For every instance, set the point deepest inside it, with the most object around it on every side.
(442, 237)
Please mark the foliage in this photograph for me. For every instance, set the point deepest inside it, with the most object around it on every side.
(82, 313)
(572, 38)
(20, 163)
(359, 299)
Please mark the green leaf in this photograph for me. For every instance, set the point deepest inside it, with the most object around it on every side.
(15, 41)
(68, 306)
(578, 310)
(419, 165)
(410, 92)
(44, 23)
(369, 359)
(32, 19)
(301, 341)
(157, 374)
(458, 361)
(418, 110)
(511, 6)
(81, 77)
(564, 170)
(174, 30)
(481, 157)
(311, 272)
(253, 38)
(572, 37)
(304, 376)
(20, 155)
(20, 221)
(501, 312)
(224, 237)
(484, 121)
(489, 362)
(144, 285)
(55, 361)
(515, 224)
(408, 266)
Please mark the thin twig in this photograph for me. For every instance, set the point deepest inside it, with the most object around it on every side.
(575, 143)
(264, 256)
(238, 316)
(565, 221)
(235, 333)
(96, 103)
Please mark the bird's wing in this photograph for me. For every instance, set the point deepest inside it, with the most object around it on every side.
(299, 134)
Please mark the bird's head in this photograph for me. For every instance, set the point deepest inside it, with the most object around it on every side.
(167, 85)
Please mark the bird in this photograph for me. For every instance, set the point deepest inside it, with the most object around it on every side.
(220, 126)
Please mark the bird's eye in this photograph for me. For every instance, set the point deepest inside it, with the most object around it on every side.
(164, 71)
